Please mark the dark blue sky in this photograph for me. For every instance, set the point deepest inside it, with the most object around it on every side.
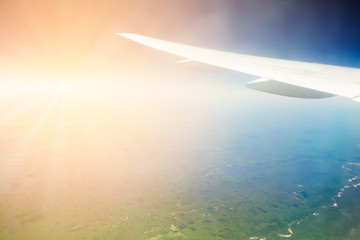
(320, 31)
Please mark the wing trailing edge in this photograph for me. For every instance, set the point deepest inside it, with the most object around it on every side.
(199, 66)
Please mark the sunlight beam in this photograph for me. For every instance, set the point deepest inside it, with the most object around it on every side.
(11, 163)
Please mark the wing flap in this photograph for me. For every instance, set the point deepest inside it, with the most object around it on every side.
(285, 89)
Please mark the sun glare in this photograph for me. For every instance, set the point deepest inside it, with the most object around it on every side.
(65, 87)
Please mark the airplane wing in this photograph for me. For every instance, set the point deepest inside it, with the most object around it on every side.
(278, 76)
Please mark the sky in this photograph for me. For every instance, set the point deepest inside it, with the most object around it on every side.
(64, 37)
(319, 31)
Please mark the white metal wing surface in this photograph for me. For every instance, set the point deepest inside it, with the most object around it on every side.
(278, 76)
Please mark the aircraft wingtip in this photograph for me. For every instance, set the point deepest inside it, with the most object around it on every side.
(126, 35)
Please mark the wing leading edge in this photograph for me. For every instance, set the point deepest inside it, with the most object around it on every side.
(278, 76)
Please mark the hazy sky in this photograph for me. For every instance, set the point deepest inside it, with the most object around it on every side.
(61, 36)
